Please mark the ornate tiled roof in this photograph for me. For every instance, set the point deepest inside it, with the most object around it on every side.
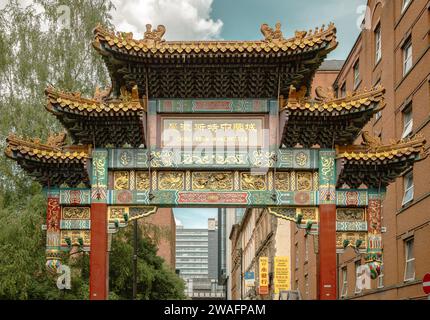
(50, 151)
(328, 104)
(374, 164)
(274, 42)
(48, 162)
(101, 120)
(92, 107)
(326, 120)
(214, 69)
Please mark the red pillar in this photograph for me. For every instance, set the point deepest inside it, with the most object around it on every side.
(99, 252)
(327, 252)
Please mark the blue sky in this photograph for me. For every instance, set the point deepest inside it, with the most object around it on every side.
(242, 18)
(194, 218)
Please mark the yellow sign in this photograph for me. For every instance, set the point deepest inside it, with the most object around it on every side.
(264, 275)
(281, 274)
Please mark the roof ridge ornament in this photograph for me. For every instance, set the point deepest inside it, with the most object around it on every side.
(271, 35)
(155, 35)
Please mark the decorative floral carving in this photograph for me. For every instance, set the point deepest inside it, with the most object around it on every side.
(221, 181)
(121, 180)
(252, 181)
(304, 181)
(142, 180)
(171, 180)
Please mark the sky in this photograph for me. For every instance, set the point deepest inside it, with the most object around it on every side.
(194, 218)
(240, 19)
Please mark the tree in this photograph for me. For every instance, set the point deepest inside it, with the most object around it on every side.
(38, 48)
(155, 280)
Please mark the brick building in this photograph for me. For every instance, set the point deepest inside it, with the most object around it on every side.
(165, 220)
(392, 50)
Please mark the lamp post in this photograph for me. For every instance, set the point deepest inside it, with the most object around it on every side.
(135, 260)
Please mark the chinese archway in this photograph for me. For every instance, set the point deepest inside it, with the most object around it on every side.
(118, 168)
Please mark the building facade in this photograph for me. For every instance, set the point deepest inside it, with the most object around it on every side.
(192, 253)
(258, 234)
(393, 50)
(165, 220)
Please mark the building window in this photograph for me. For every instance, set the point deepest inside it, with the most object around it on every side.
(405, 4)
(306, 248)
(408, 182)
(307, 286)
(378, 44)
(297, 255)
(356, 74)
(410, 260)
(381, 276)
(344, 282)
(343, 90)
(407, 56)
(357, 276)
(408, 122)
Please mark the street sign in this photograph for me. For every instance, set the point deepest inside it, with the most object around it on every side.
(249, 279)
(264, 276)
(426, 283)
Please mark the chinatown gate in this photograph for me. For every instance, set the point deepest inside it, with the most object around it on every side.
(146, 142)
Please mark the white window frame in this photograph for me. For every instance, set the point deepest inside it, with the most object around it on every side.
(356, 69)
(408, 122)
(343, 90)
(407, 57)
(405, 4)
(357, 289)
(408, 194)
(407, 260)
(378, 44)
(344, 291)
(306, 248)
(380, 284)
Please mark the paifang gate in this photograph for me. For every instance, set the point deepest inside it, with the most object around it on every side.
(214, 123)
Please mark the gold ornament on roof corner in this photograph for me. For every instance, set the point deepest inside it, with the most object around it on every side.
(371, 142)
(300, 34)
(56, 140)
(129, 96)
(295, 96)
(271, 35)
(155, 35)
(100, 94)
(324, 94)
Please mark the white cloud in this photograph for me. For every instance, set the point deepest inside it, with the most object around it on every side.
(183, 19)
(178, 222)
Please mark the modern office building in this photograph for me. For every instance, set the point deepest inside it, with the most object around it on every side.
(197, 261)
(192, 253)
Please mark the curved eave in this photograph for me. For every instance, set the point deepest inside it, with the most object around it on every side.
(68, 103)
(375, 169)
(51, 168)
(107, 42)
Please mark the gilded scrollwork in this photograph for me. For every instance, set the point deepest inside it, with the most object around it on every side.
(251, 181)
(309, 214)
(142, 180)
(304, 181)
(282, 181)
(220, 181)
(350, 214)
(80, 213)
(121, 180)
(171, 180)
(301, 159)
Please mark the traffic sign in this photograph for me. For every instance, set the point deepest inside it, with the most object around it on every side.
(426, 283)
